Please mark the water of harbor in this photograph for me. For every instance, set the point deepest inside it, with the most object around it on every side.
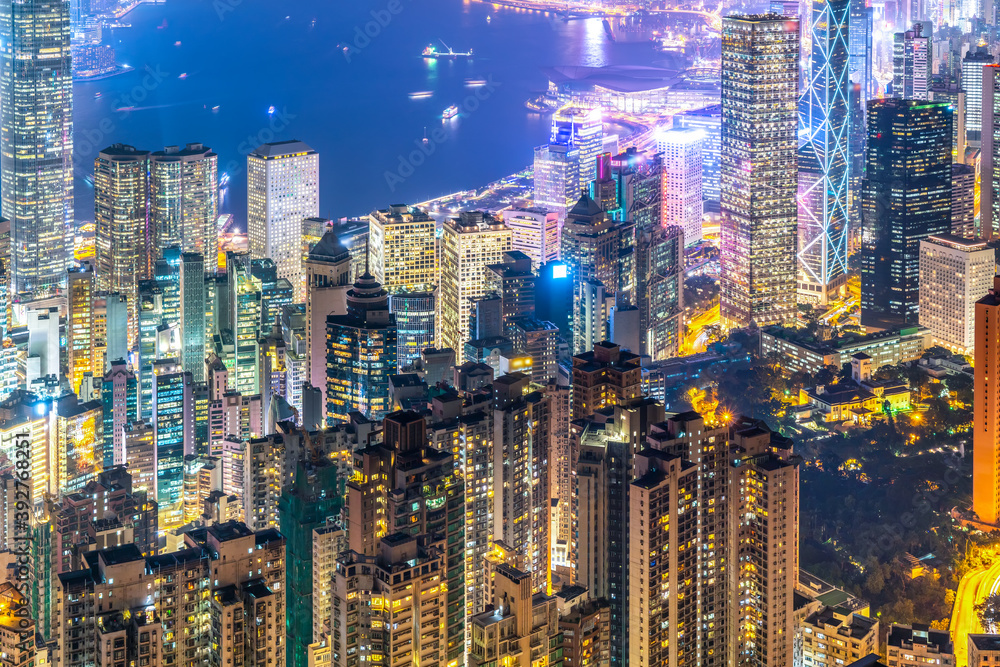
(209, 71)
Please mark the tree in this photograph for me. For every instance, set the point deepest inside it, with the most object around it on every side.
(988, 612)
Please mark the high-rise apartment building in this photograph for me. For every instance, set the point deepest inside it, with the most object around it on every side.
(837, 635)
(906, 198)
(120, 399)
(401, 246)
(469, 244)
(986, 440)
(184, 199)
(605, 377)
(760, 82)
(36, 141)
(225, 585)
(123, 241)
(824, 157)
(972, 82)
(955, 272)
(681, 153)
(535, 232)
(911, 64)
(282, 191)
(405, 508)
(580, 128)
(556, 178)
(590, 244)
(919, 645)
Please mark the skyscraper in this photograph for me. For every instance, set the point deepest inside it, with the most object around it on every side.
(823, 159)
(972, 82)
(986, 418)
(860, 48)
(681, 153)
(401, 244)
(124, 246)
(282, 191)
(469, 244)
(81, 352)
(989, 202)
(184, 199)
(535, 232)
(911, 64)
(36, 140)
(906, 198)
(173, 421)
(759, 168)
(556, 178)
(954, 274)
(361, 354)
(709, 121)
(415, 314)
(193, 306)
(580, 128)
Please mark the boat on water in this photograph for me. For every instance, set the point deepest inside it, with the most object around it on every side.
(215, 109)
(475, 83)
(177, 43)
(97, 96)
(421, 95)
(183, 75)
(432, 52)
(450, 112)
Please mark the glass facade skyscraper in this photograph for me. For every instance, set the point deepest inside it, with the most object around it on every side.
(823, 159)
(906, 198)
(36, 140)
(184, 200)
(760, 82)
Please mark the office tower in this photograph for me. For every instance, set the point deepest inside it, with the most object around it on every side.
(911, 64)
(124, 601)
(77, 442)
(859, 64)
(80, 327)
(660, 269)
(513, 283)
(469, 244)
(759, 99)
(954, 273)
(518, 624)
(986, 442)
(906, 198)
(305, 504)
(141, 456)
(401, 244)
(193, 306)
(361, 350)
(123, 238)
(244, 320)
(823, 159)
(415, 322)
(989, 202)
(116, 327)
(972, 82)
(605, 377)
(963, 200)
(915, 645)
(282, 191)
(952, 93)
(275, 292)
(328, 275)
(857, 143)
(184, 199)
(590, 244)
(556, 178)
(709, 121)
(36, 141)
(591, 314)
(535, 232)
(856, 635)
(42, 359)
(580, 128)
(173, 422)
(604, 187)
(404, 482)
(120, 400)
(680, 202)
